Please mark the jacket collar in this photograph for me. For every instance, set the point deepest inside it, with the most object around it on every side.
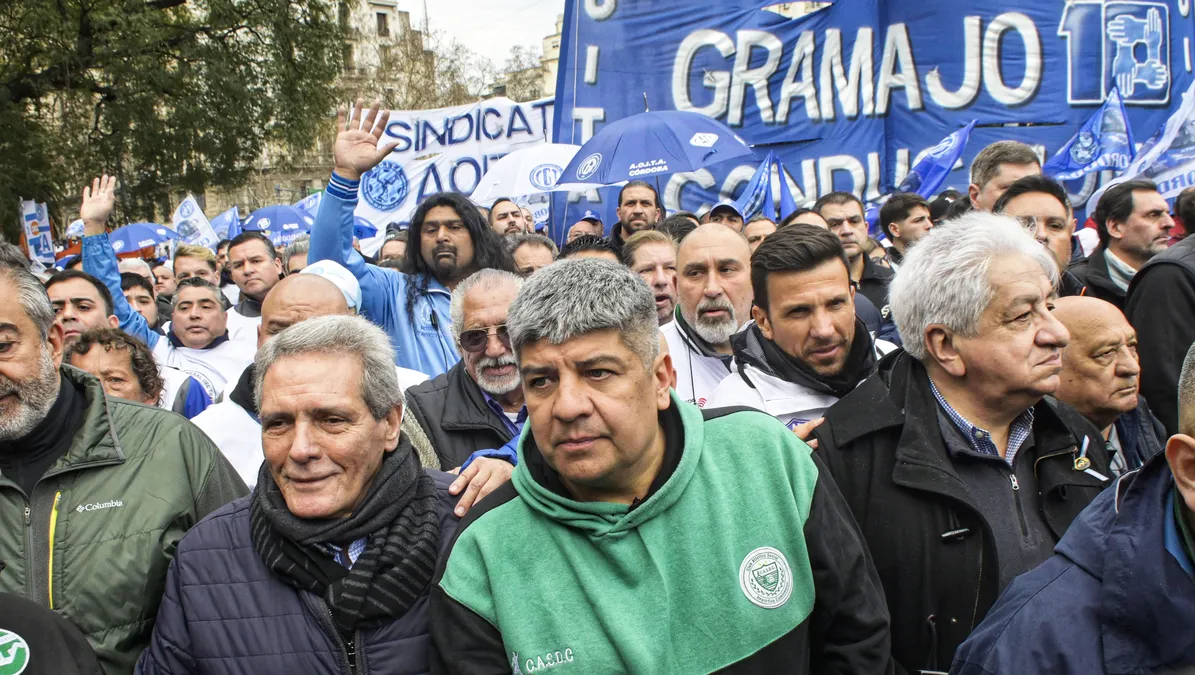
(242, 393)
(873, 271)
(248, 307)
(898, 395)
(96, 442)
(178, 344)
(465, 408)
(1097, 273)
(1144, 592)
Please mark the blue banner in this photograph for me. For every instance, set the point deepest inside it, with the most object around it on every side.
(853, 95)
(1105, 141)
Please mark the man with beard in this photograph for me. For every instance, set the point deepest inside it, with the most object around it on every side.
(844, 214)
(255, 267)
(95, 492)
(197, 343)
(806, 349)
(475, 408)
(1133, 222)
(506, 218)
(960, 469)
(1101, 377)
(652, 255)
(638, 209)
(449, 241)
(714, 286)
(1042, 206)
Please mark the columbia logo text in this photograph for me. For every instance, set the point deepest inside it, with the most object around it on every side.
(99, 506)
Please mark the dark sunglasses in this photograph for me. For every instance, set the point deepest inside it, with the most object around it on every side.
(475, 340)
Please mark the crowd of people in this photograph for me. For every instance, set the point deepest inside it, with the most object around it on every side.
(680, 444)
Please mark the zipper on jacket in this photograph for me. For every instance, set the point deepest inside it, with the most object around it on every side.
(978, 587)
(1016, 498)
(29, 550)
(348, 646)
(50, 564)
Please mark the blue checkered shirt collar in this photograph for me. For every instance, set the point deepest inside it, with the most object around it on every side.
(348, 556)
(980, 440)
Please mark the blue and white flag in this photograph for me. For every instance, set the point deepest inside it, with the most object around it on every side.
(36, 225)
(192, 226)
(1105, 141)
(222, 224)
(758, 197)
(310, 203)
(928, 174)
(1167, 158)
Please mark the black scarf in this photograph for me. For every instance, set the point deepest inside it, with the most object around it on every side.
(179, 343)
(399, 516)
(25, 460)
(242, 393)
(753, 348)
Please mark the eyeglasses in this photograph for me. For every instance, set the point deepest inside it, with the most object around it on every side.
(475, 340)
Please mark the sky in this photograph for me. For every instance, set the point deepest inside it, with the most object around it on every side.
(490, 27)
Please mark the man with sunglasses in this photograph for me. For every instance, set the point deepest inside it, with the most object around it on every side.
(475, 408)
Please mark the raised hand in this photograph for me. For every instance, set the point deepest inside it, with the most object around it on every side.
(358, 132)
(98, 202)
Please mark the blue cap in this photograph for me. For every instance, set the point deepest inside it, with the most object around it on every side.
(592, 216)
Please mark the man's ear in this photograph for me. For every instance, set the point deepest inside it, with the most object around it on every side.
(940, 343)
(664, 378)
(393, 422)
(1115, 229)
(761, 320)
(115, 322)
(1180, 455)
(56, 341)
(973, 193)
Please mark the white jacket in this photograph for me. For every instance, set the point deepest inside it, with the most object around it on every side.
(214, 368)
(788, 402)
(697, 375)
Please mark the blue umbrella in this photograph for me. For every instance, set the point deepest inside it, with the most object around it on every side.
(136, 236)
(363, 229)
(653, 144)
(282, 224)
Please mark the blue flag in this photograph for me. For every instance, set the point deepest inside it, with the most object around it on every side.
(757, 197)
(223, 223)
(310, 203)
(928, 175)
(1105, 141)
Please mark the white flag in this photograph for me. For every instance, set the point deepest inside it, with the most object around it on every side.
(192, 226)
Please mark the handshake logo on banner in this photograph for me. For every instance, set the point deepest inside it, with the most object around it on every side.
(1127, 29)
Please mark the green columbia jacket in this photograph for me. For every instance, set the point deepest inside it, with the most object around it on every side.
(95, 538)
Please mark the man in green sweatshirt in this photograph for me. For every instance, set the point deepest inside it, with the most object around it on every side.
(640, 533)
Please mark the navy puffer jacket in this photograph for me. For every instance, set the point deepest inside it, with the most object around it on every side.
(225, 613)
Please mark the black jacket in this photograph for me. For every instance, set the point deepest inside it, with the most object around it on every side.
(1141, 435)
(1092, 272)
(453, 412)
(874, 285)
(934, 550)
(42, 640)
(1161, 306)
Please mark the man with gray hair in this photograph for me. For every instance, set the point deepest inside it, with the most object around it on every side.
(95, 491)
(476, 408)
(962, 469)
(1117, 595)
(531, 252)
(294, 258)
(638, 533)
(333, 554)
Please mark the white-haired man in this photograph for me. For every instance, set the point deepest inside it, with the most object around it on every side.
(960, 468)
(713, 282)
(641, 529)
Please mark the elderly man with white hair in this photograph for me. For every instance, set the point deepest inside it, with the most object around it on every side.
(960, 467)
(326, 567)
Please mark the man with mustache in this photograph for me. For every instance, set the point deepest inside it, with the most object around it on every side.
(449, 241)
(638, 209)
(844, 214)
(475, 408)
(1101, 378)
(807, 349)
(506, 218)
(714, 286)
(95, 491)
(960, 469)
(1133, 222)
